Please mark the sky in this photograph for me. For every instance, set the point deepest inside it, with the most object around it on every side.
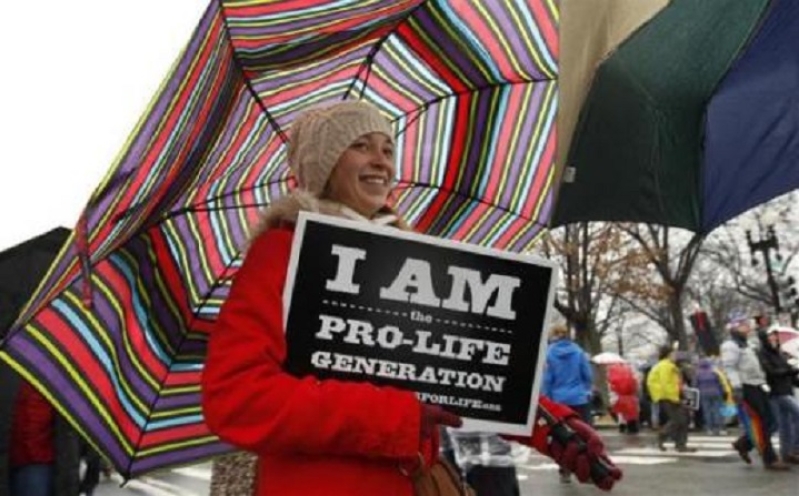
(76, 78)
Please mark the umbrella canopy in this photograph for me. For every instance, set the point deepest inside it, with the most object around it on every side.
(691, 120)
(589, 33)
(607, 358)
(789, 339)
(117, 333)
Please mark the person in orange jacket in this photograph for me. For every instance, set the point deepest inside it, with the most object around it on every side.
(331, 437)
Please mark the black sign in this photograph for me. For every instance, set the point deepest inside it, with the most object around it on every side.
(460, 325)
(690, 398)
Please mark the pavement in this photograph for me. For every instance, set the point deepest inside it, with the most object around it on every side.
(714, 469)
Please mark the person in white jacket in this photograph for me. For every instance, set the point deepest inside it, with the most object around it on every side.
(748, 380)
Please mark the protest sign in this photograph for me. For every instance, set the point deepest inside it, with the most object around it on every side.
(460, 325)
(690, 398)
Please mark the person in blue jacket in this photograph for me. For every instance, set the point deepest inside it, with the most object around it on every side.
(568, 378)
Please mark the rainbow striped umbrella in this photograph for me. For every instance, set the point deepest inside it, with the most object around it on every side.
(116, 334)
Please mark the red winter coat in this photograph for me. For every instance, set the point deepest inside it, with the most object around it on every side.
(32, 428)
(624, 385)
(312, 437)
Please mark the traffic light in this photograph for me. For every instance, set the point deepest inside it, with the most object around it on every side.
(704, 332)
(789, 295)
(788, 291)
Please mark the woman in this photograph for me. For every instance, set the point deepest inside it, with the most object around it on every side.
(743, 368)
(568, 378)
(781, 378)
(39, 451)
(624, 403)
(711, 396)
(323, 436)
(665, 385)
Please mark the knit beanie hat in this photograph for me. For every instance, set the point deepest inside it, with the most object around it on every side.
(319, 136)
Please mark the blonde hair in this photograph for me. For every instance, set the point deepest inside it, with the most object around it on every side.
(559, 331)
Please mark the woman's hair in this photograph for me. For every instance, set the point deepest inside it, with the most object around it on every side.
(664, 351)
(559, 331)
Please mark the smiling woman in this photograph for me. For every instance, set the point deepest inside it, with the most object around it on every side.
(317, 435)
(354, 436)
(364, 174)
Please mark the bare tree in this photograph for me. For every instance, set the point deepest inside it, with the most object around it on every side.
(730, 277)
(723, 281)
(594, 259)
(671, 255)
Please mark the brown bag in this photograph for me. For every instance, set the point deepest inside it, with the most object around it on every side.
(441, 480)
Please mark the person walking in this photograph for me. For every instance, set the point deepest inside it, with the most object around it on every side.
(624, 397)
(742, 366)
(330, 437)
(39, 451)
(781, 379)
(711, 395)
(568, 378)
(665, 386)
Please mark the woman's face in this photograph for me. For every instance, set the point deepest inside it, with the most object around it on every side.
(774, 339)
(364, 173)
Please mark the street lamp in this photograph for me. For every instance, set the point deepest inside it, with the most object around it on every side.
(766, 242)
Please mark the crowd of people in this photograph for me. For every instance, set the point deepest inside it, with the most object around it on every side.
(749, 385)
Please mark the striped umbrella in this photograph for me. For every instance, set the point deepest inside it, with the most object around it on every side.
(116, 334)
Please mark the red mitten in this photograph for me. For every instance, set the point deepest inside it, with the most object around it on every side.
(575, 446)
(433, 416)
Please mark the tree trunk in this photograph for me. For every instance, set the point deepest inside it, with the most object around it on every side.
(678, 332)
(586, 335)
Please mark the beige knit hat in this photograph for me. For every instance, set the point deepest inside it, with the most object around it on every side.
(319, 136)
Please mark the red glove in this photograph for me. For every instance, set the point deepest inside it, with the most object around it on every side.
(575, 446)
(433, 416)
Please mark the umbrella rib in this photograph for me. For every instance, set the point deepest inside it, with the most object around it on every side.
(367, 62)
(418, 111)
(194, 207)
(401, 184)
(205, 205)
(247, 83)
(198, 208)
(190, 323)
(414, 184)
(404, 184)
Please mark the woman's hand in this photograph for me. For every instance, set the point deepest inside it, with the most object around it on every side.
(433, 416)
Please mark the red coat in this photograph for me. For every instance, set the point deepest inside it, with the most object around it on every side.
(32, 428)
(624, 385)
(313, 437)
